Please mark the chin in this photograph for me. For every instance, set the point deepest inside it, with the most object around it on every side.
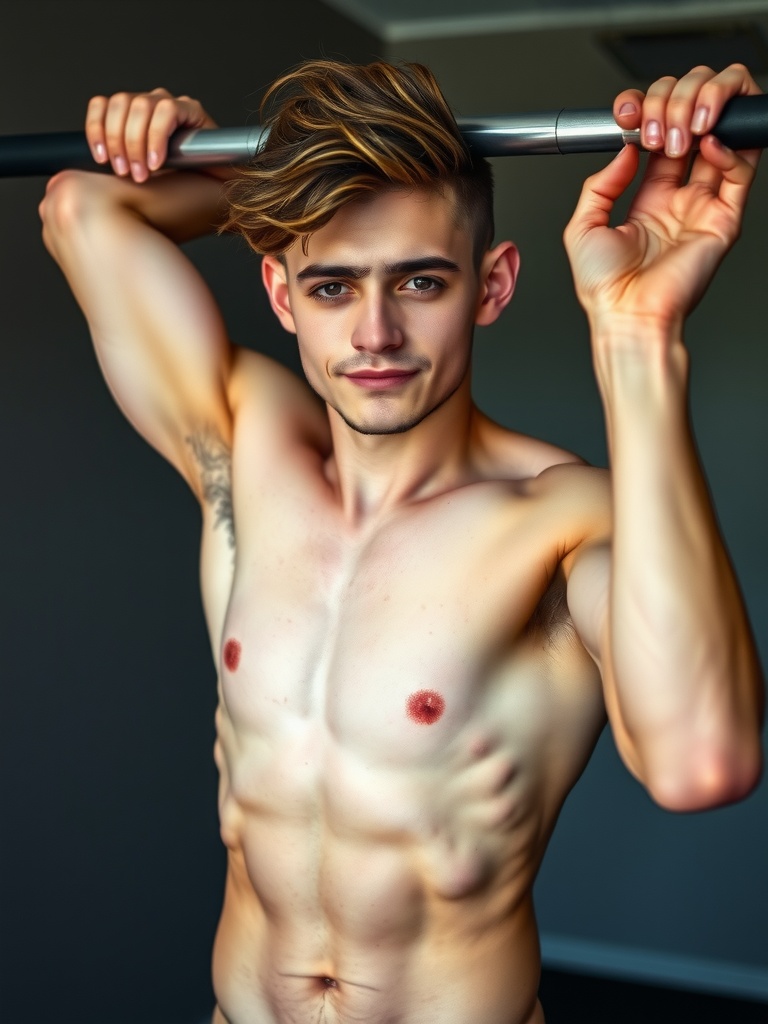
(382, 429)
(381, 426)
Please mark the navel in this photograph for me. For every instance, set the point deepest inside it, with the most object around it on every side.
(425, 706)
(232, 654)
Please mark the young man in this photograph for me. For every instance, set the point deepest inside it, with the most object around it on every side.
(420, 618)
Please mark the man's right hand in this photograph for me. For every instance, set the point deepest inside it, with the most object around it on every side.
(131, 130)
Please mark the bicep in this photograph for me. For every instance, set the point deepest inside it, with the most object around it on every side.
(589, 580)
(588, 589)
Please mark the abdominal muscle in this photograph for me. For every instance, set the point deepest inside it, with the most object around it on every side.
(299, 969)
(327, 924)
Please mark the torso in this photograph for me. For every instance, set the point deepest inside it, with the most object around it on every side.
(402, 711)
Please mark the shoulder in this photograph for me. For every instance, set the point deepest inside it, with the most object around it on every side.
(589, 486)
(573, 498)
(546, 470)
(503, 454)
(577, 497)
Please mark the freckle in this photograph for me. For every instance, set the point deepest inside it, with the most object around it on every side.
(425, 706)
(232, 654)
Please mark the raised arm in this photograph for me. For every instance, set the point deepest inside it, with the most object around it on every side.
(158, 334)
(660, 609)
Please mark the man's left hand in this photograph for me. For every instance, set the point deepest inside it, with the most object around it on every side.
(655, 266)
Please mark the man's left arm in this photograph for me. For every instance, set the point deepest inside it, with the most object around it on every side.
(660, 608)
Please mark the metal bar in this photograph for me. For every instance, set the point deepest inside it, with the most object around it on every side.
(742, 125)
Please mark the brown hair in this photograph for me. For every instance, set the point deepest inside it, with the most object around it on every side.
(340, 132)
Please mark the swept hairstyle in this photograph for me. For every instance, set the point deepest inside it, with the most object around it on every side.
(344, 132)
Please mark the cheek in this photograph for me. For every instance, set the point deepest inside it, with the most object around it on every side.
(315, 352)
(451, 321)
(316, 375)
(449, 339)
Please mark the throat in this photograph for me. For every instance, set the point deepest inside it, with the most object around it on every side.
(369, 486)
(372, 474)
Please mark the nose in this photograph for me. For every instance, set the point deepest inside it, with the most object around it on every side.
(376, 327)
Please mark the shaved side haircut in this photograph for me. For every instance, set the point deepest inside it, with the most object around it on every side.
(340, 133)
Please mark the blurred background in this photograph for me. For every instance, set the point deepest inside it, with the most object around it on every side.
(111, 868)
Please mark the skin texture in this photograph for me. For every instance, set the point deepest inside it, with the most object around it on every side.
(427, 618)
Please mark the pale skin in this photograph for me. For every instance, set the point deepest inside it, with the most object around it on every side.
(420, 628)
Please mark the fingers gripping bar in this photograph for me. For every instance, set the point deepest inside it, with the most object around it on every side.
(743, 124)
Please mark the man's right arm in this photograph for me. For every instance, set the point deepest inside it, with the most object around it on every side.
(158, 333)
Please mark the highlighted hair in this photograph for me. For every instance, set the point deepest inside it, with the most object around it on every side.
(345, 132)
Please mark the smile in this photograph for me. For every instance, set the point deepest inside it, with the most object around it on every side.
(377, 380)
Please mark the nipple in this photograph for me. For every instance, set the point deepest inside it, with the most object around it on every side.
(425, 706)
(232, 654)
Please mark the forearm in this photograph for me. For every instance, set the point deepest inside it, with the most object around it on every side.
(181, 206)
(683, 664)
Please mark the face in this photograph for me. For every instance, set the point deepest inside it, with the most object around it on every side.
(383, 304)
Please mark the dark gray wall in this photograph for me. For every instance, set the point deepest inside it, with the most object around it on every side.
(111, 867)
(620, 872)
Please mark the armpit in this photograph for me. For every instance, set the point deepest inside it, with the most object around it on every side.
(552, 618)
(213, 458)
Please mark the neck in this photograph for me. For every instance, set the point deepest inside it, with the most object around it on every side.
(374, 474)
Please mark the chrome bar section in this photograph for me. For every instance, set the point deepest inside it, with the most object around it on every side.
(215, 146)
(544, 133)
(591, 131)
(514, 135)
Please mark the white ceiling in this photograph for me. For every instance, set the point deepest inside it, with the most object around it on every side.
(402, 20)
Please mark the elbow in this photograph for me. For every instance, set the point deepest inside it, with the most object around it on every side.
(61, 199)
(707, 781)
(56, 207)
(68, 196)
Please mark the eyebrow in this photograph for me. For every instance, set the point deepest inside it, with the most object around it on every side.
(414, 266)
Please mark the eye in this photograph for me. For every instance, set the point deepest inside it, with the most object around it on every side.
(329, 291)
(423, 284)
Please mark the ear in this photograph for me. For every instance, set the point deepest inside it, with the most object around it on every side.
(498, 275)
(275, 278)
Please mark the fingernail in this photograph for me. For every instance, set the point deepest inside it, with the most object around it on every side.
(700, 120)
(100, 152)
(137, 171)
(153, 159)
(121, 165)
(653, 133)
(674, 145)
(627, 108)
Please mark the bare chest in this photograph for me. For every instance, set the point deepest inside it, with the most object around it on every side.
(394, 694)
(397, 649)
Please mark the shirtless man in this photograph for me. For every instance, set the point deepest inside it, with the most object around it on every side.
(420, 619)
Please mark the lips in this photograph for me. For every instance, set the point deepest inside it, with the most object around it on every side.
(375, 379)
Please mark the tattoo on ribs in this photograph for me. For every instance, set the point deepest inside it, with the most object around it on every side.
(215, 461)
